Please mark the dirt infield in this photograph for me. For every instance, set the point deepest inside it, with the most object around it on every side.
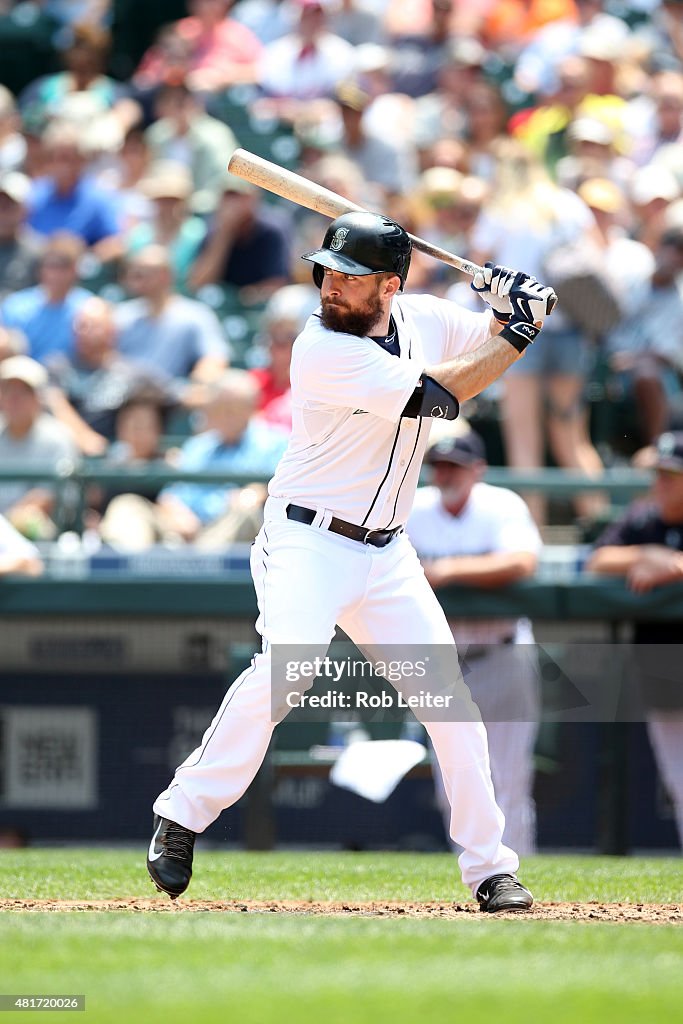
(616, 913)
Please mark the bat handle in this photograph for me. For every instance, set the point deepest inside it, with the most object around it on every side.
(469, 268)
(464, 265)
(446, 257)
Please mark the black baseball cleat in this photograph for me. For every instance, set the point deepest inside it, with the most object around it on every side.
(169, 860)
(503, 892)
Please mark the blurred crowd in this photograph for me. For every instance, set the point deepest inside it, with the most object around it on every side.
(149, 300)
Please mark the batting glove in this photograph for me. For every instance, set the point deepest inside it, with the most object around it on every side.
(531, 302)
(493, 283)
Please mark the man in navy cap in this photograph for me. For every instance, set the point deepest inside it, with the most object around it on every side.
(646, 547)
(469, 533)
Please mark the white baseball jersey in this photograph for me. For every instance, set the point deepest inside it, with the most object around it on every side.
(351, 453)
(494, 520)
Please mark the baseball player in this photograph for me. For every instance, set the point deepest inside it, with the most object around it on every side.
(466, 531)
(369, 370)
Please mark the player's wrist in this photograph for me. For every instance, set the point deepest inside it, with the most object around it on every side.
(520, 333)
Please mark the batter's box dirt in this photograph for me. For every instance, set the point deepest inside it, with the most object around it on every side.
(617, 913)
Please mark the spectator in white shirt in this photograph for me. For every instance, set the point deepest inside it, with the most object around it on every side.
(30, 439)
(469, 533)
(309, 62)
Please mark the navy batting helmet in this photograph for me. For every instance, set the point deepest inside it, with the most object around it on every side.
(362, 244)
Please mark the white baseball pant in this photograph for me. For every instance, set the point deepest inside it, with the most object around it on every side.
(307, 580)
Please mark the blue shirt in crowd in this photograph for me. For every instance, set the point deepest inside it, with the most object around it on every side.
(48, 326)
(88, 211)
(173, 342)
(258, 451)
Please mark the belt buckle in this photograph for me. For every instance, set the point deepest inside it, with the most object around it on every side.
(368, 532)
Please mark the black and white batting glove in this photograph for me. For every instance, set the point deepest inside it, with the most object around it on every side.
(493, 283)
(531, 302)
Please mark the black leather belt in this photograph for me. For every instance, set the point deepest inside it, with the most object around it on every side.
(377, 538)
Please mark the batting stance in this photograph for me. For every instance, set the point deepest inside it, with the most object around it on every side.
(369, 370)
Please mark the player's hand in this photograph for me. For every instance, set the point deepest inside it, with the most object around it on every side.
(531, 302)
(493, 283)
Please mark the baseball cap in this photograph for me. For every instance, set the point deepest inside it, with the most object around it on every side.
(371, 57)
(467, 52)
(602, 42)
(673, 216)
(601, 194)
(25, 369)
(669, 453)
(591, 129)
(653, 182)
(15, 185)
(350, 94)
(167, 179)
(438, 182)
(293, 302)
(464, 450)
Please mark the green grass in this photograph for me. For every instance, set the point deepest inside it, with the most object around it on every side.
(113, 874)
(257, 968)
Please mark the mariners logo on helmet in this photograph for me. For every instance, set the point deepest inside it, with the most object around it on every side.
(338, 239)
(362, 243)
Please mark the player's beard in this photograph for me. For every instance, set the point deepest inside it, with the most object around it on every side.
(359, 321)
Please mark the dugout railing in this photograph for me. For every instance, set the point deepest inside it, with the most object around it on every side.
(71, 480)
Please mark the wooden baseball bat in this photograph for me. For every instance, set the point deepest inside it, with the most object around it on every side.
(307, 193)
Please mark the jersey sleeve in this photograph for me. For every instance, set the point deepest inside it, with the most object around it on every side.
(465, 329)
(630, 529)
(515, 528)
(353, 373)
(446, 328)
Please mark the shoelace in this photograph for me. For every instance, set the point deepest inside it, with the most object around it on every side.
(499, 883)
(178, 842)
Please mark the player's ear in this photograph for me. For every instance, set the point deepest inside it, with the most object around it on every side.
(391, 284)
